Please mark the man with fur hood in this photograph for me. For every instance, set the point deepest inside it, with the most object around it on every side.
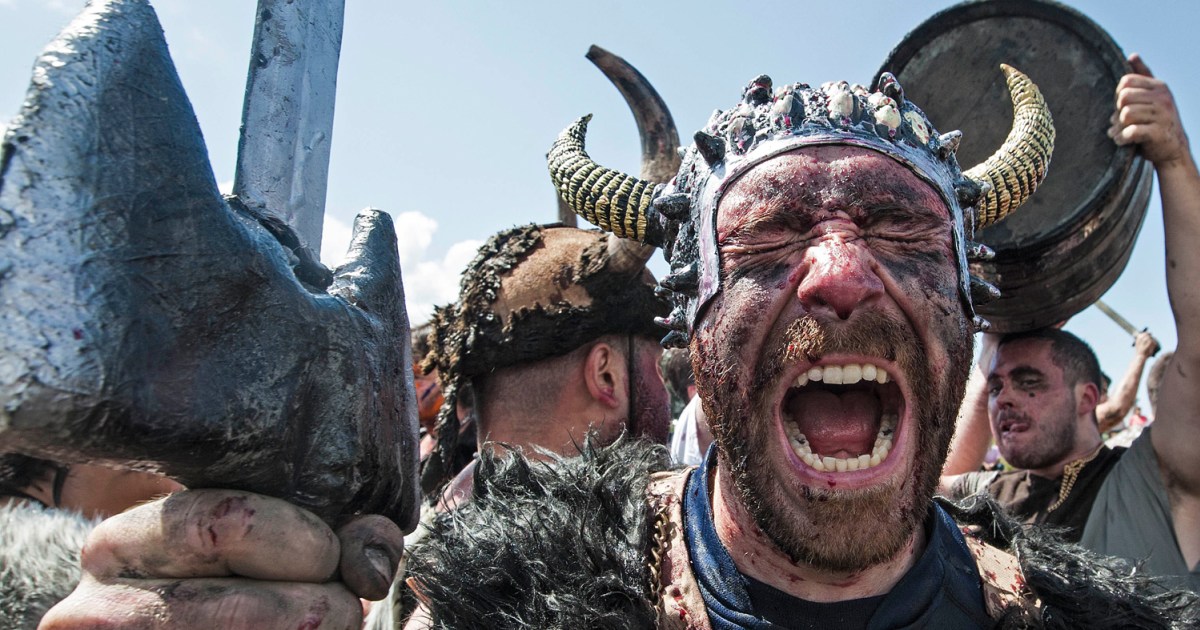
(818, 240)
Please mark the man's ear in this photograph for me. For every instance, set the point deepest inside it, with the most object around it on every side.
(1087, 397)
(604, 375)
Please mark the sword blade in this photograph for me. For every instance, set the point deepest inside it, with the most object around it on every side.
(287, 117)
(1116, 317)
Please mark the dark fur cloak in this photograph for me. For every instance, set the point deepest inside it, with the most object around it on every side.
(564, 544)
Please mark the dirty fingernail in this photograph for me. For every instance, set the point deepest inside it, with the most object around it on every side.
(381, 561)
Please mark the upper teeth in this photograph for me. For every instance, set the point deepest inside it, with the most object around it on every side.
(848, 374)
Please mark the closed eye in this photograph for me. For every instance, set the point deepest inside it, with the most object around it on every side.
(903, 225)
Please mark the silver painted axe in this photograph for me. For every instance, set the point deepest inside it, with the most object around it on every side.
(148, 322)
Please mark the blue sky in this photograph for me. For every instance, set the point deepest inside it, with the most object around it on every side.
(446, 109)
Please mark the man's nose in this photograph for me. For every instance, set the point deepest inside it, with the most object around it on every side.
(839, 279)
(1005, 398)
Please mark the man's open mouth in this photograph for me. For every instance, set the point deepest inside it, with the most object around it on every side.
(1012, 424)
(842, 418)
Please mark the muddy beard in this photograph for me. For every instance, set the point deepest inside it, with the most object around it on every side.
(835, 530)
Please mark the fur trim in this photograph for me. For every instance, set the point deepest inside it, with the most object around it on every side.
(1077, 588)
(559, 544)
(564, 544)
(39, 560)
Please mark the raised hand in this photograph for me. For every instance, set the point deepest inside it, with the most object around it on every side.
(1146, 115)
(1146, 345)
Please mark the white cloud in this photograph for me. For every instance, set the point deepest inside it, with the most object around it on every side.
(435, 282)
(414, 232)
(225, 187)
(428, 279)
(335, 238)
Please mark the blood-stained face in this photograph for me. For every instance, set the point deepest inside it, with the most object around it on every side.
(1031, 406)
(833, 361)
(429, 398)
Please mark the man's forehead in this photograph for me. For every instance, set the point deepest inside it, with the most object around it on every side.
(1023, 354)
(822, 175)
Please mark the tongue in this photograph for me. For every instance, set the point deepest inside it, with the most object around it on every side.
(834, 423)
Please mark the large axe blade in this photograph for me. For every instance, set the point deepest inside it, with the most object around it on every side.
(287, 117)
(147, 322)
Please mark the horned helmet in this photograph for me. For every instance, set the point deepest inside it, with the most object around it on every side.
(680, 215)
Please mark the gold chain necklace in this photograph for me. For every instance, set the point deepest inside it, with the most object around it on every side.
(1070, 474)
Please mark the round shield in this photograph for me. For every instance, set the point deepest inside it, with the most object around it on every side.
(1072, 239)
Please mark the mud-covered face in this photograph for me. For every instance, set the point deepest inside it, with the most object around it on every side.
(833, 361)
(1030, 405)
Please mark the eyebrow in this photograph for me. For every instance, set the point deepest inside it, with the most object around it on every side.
(774, 216)
(1020, 371)
(786, 212)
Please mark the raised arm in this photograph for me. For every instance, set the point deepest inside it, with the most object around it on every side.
(1146, 115)
(1111, 412)
(973, 434)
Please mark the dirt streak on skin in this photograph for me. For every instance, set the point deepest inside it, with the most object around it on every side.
(219, 513)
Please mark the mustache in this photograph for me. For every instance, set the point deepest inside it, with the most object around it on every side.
(1005, 415)
(871, 333)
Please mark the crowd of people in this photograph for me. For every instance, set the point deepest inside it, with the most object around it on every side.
(826, 465)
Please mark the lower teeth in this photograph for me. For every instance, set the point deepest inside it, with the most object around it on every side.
(827, 463)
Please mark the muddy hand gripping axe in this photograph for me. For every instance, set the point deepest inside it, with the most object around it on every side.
(148, 322)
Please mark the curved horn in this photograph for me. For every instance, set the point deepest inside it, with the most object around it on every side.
(1013, 172)
(660, 142)
(615, 201)
(656, 128)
